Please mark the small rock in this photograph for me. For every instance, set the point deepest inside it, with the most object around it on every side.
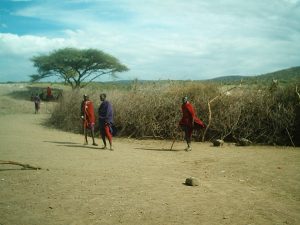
(218, 142)
(192, 181)
(243, 142)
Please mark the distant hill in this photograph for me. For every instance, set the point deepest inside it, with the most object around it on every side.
(230, 78)
(289, 75)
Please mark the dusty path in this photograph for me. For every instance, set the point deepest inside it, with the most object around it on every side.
(141, 182)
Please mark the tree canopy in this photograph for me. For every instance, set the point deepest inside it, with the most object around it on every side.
(76, 67)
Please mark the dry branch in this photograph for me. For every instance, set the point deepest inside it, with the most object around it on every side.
(209, 110)
(297, 92)
(290, 136)
(25, 166)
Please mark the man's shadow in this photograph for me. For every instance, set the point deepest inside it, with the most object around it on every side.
(73, 145)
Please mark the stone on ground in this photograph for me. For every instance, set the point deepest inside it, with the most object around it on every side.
(192, 181)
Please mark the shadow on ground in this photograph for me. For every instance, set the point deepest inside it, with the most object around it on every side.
(159, 149)
(73, 145)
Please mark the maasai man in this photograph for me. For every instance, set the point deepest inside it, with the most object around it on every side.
(105, 113)
(49, 94)
(88, 117)
(189, 121)
(37, 103)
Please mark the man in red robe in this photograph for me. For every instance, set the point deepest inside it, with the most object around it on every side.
(189, 121)
(49, 94)
(88, 117)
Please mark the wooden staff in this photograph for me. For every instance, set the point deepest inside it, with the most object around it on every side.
(84, 123)
(173, 143)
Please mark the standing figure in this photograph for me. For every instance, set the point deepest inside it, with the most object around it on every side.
(37, 102)
(189, 121)
(88, 117)
(105, 113)
(49, 94)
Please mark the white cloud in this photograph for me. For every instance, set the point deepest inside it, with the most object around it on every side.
(292, 1)
(12, 44)
(21, 0)
(156, 38)
(16, 52)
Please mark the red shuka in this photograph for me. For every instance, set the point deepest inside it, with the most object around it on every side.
(49, 91)
(188, 113)
(89, 112)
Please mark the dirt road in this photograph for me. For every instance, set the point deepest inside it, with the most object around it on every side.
(141, 182)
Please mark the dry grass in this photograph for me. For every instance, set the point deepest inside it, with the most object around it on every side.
(13, 99)
(153, 110)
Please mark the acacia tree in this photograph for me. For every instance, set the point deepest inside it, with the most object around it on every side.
(76, 67)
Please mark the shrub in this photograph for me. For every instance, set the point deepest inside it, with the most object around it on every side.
(153, 109)
(66, 114)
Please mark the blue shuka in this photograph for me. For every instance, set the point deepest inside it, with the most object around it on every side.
(105, 113)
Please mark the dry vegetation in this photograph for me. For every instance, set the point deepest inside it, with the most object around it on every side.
(141, 182)
(261, 114)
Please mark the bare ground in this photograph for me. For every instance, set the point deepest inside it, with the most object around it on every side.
(141, 182)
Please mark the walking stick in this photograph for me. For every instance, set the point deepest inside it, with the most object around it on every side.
(174, 139)
(84, 132)
(173, 143)
(84, 125)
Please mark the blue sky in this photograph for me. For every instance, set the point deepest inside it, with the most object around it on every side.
(170, 39)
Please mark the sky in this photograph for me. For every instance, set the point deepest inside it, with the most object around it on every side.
(155, 39)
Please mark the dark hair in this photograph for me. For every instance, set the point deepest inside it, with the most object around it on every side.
(103, 94)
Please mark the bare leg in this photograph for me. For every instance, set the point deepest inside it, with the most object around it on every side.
(93, 136)
(103, 138)
(187, 138)
(109, 136)
(85, 137)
